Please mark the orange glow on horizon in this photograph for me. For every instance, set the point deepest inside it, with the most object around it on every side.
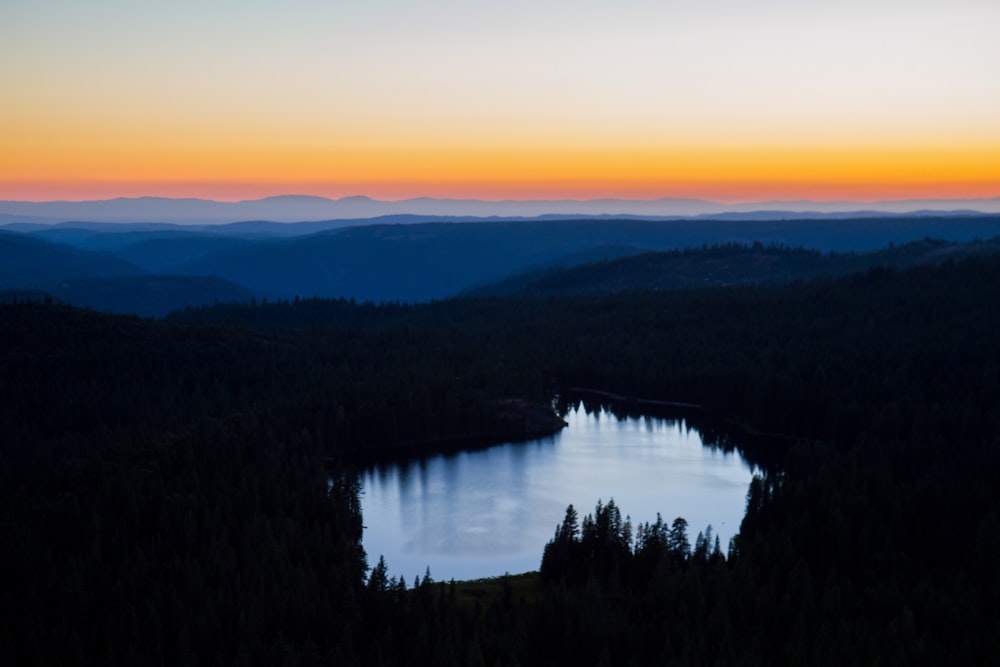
(89, 155)
(723, 175)
(82, 158)
(721, 192)
(839, 101)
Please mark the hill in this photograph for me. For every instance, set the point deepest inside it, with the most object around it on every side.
(33, 269)
(721, 266)
(419, 262)
(29, 262)
(148, 295)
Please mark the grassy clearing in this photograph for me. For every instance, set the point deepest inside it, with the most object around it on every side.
(493, 589)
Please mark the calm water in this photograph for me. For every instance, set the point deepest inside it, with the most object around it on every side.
(483, 513)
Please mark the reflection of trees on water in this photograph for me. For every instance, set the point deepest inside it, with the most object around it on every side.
(763, 451)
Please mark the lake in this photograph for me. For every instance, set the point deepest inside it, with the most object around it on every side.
(486, 512)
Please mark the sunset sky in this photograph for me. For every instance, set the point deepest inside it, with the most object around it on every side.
(718, 99)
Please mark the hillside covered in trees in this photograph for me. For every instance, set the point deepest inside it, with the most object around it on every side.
(723, 266)
(164, 495)
(151, 269)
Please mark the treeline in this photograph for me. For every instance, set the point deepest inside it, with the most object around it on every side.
(605, 544)
(821, 359)
(163, 495)
(722, 265)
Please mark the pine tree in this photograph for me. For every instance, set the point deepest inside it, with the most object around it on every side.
(378, 579)
(677, 540)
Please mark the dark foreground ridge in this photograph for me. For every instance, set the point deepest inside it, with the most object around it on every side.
(163, 498)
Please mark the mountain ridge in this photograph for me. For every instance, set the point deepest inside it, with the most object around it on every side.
(723, 266)
(312, 208)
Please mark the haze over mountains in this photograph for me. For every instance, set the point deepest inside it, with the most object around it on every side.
(151, 255)
(152, 268)
(299, 208)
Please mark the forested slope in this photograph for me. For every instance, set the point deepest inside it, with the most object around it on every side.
(163, 498)
(722, 266)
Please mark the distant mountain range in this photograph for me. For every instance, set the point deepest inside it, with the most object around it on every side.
(301, 208)
(151, 268)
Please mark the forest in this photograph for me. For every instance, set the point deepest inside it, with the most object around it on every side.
(152, 269)
(180, 491)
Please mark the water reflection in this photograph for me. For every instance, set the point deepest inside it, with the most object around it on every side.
(482, 513)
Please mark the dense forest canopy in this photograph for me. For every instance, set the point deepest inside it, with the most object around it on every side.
(723, 265)
(164, 500)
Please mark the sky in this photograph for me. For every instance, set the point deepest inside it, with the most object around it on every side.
(727, 100)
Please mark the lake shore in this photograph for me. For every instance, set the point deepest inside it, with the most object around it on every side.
(514, 420)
